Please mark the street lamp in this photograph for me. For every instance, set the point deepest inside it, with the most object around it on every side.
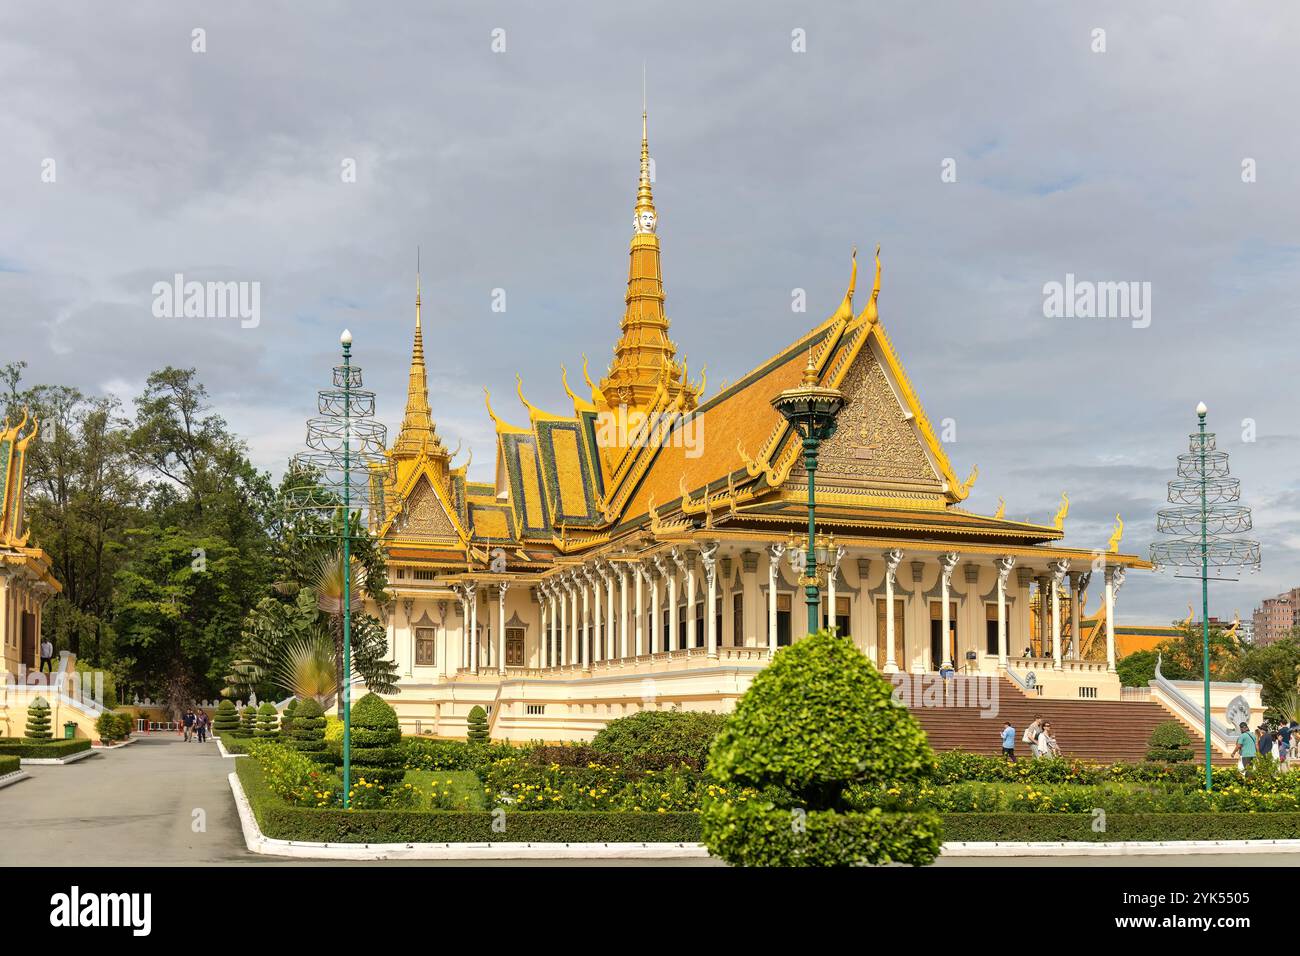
(346, 448)
(1205, 518)
(812, 409)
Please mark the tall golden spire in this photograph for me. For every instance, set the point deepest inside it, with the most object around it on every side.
(417, 423)
(644, 356)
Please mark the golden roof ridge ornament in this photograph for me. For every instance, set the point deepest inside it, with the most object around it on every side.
(1059, 521)
(1002, 507)
(845, 312)
(872, 313)
(964, 488)
(1113, 545)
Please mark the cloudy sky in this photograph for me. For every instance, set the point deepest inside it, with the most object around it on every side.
(783, 136)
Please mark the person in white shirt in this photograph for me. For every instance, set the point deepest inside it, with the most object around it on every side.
(1046, 744)
(47, 655)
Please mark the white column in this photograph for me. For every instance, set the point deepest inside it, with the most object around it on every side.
(674, 562)
(892, 560)
(611, 634)
(656, 621)
(774, 552)
(690, 599)
(1080, 581)
(575, 635)
(471, 591)
(1114, 578)
(708, 556)
(563, 632)
(622, 608)
(541, 631)
(1058, 574)
(639, 570)
(947, 563)
(502, 588)
(1004, 571)
(464, 627)
(832, 578)
(585, 633)
(597, 628)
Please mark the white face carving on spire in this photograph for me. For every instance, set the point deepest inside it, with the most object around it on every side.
(644, 221)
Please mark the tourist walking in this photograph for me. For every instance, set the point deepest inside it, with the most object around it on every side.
(1245, 748)
(1031, 735)
(1283, 744)
(1009, 742)
(201, 725)
(47, 656)
(187, 724)
(1047, 742)
(1265, 742)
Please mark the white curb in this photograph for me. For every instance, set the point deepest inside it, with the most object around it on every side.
(1124, 848)
(56, 761)
(12, 778)
(121, 743)
(257, 842)
(222, 748)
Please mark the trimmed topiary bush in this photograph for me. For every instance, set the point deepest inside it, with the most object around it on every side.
(113, 726)
(817, 721)
(476, 725)
(376, 757)
(308, 735)
(268, 722)
(1170, 743)
(286, 719)
(247, 722)
(675, 735)
(226, 720)
(38, 720)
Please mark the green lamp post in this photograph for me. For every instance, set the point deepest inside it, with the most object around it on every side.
(812, 410)
(346, 448)
(1206, 517)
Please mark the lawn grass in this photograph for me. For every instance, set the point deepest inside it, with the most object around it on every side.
(462, 784)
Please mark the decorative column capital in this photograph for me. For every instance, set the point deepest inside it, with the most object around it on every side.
(947, 563)
(776, 550)
(1005, 564)
(893, 558)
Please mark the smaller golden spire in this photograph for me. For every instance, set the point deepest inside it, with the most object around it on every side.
(810, 370)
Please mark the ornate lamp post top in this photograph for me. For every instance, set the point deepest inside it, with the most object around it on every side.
(810, 407)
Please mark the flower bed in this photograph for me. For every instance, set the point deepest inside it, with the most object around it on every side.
(282, 821)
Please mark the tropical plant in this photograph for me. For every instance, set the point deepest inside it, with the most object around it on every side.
(38, 719)
(305, 667)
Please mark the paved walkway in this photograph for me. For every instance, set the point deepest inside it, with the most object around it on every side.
(128, 807)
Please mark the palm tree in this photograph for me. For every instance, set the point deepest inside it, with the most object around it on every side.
(305, 667)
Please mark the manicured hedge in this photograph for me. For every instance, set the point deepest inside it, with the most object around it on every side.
(42, 749)
(9, 765)
(427, 753)
(281, 821)
(1145, 827)
(684, 736)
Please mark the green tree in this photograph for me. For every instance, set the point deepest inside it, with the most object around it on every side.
(816, 723)
(226, 720)
(1137, 669)
(376, 757)
(268, 722)
(1276, 667)
(476, 725)
(38, 719)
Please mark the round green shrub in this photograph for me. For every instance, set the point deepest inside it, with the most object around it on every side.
(247, 722)
(675, 735)
(816, 722)
(38, 719)
(286, 719)
(113, 726)
(268, 722)
(226, 720)
(476, 725)
(308, 735)
(376, 758)
(1170, 743)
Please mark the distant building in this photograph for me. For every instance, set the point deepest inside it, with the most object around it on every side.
(1276, 616)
